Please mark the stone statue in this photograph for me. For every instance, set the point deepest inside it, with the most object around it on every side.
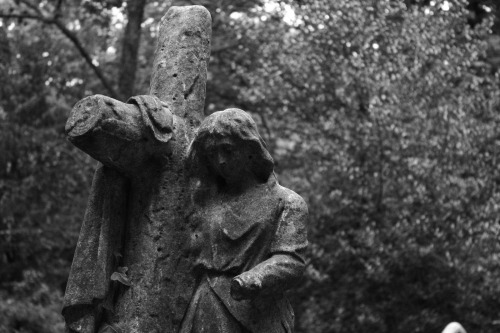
(129, 272)
(186, 228)
(248, 233)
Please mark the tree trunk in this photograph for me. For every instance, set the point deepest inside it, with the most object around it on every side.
(130, 47)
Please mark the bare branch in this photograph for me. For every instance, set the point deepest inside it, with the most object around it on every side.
(23, 16)
(58, 6)
(73, 38)
(32, 6)
(220, 48)
(57, 10)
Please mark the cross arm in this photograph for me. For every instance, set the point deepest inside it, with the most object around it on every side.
(121, 135)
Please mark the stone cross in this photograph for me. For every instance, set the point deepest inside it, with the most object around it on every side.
(129, 273)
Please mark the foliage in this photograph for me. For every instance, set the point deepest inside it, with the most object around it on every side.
(385, 119)
(382, 114)
(44, 181)
(34, 308)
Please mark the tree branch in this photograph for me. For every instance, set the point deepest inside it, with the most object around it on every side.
(57, 10)
(72, 37)
(23, 16)
(32, 6)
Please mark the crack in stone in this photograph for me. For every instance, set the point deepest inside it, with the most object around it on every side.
(191, 88)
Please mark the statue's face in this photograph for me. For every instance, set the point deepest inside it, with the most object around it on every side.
(227, 159)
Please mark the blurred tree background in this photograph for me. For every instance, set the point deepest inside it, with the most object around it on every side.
(382, 114)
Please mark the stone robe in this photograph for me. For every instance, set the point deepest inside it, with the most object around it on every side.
(261, 234)
(116, 234)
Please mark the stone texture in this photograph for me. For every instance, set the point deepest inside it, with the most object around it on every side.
(186, 229)
(132, 132)
(181, 59)
(132, 143)
(248, 233)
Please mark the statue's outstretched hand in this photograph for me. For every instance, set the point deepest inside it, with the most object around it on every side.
(245, 286)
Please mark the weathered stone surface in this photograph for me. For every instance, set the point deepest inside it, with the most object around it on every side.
(142, 146)
(132, 132)
(183, 233)
(248, 233)
(181, 59)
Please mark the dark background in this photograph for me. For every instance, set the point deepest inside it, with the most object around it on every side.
(383, 114)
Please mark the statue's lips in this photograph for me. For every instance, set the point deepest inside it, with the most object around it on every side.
(83, 116)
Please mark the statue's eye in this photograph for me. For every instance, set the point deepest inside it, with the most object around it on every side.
(210, 151)
(227, 149)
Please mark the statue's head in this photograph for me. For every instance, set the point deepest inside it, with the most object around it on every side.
(228, 145)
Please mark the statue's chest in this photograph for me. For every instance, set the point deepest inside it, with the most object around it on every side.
(238, 218)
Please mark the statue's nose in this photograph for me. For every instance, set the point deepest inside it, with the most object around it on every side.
(221, 158)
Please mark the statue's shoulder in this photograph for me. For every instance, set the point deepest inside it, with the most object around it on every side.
(290, 199)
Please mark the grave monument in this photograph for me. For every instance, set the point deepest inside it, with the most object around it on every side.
(186, 227)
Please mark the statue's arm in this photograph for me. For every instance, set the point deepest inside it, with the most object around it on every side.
(121, 135)
(286, 263)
